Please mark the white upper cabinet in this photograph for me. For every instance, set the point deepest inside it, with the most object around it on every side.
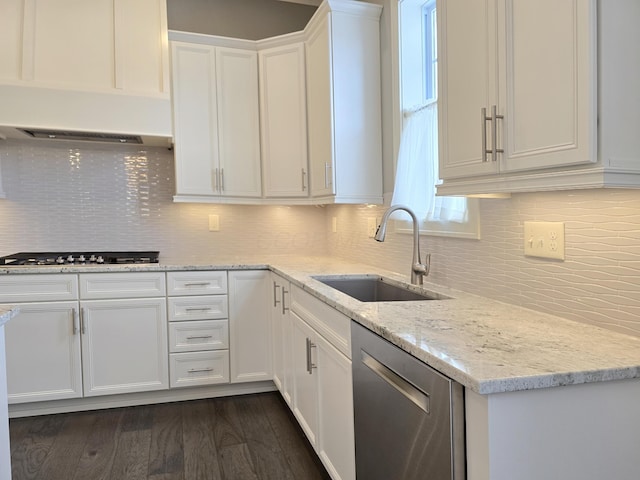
(343, 102)
(557, 75)
(216, 121)
(283, 120)
(99, 65)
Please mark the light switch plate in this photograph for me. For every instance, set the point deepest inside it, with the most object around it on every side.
(214, 223)
(544, 239)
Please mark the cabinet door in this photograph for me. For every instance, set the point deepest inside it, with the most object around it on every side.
(249, 326)
(195, 120)
(124, 346)
(283, 121)
(238, 122)
(549, 84)
(305, 389)
(336, 444)
(319, 107)
(43, 353)
(467, 82)
(281, 335)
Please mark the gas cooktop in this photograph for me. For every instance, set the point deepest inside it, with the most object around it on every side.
(77, 258)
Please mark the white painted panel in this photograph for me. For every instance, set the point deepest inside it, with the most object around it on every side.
(39, 287)
(197, 336)
(78, 30)
(43, 353)
(122, 285)
(11, 12)
(196, 283)
(238, 122)
(124, 346)
(199, 368)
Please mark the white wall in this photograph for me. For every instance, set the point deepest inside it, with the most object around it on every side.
(74, 196)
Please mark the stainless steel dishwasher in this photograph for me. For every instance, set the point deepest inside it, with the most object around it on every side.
(409, 418)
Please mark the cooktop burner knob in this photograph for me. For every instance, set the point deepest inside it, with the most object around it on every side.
(60, 260)
(70, 259)
(92, 258)
(81, 259)
(99, 259)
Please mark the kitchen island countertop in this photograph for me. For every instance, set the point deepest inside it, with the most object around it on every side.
(486, 345)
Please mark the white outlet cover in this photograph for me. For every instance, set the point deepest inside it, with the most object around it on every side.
(214, 223)
(544, 240)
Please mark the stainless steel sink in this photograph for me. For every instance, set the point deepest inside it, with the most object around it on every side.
(373, 288)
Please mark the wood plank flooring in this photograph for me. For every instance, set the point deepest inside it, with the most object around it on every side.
(248, 437)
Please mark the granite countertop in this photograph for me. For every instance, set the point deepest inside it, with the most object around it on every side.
(486, 345)
(7, 312)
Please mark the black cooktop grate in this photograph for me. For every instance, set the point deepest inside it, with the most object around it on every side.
(79, 258)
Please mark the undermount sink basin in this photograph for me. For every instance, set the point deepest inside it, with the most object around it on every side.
(373, 288)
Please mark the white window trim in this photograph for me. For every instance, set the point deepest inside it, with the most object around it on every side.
(469, 230)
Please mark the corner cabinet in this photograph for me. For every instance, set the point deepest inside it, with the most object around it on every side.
(537, 114)
(343, 102)
(283, 118)
(90, 66)
(216, 120)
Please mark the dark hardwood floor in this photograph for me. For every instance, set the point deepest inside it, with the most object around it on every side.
(246, 437)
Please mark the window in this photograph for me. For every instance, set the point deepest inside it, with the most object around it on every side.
(416, 132)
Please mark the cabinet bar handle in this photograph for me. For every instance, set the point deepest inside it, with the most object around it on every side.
(326, 175)
(196, 370)
(494, 133)
(304, 174)
(284, 308)
(197, 309)
(275, 295)
(222, 180)
(483, 120)
(73, 321)
(83, 325)
(198, 337)
(197, 284)
(310, 364)
(214, 179)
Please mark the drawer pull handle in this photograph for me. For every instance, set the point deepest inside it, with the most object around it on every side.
(197, 309)
(196, 337)
(196, 284)
(198, 370)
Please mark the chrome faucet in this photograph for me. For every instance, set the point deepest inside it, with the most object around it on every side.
(418, 269)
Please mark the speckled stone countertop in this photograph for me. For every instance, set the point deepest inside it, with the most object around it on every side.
(488, 346)
(7, 312)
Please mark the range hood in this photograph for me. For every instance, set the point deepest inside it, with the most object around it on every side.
(83, 136)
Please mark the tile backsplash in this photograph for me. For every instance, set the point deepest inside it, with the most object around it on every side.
(68, 196)
(599, 282)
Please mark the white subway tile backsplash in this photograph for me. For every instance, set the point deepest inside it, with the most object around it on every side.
(63, 195)
(598, 283)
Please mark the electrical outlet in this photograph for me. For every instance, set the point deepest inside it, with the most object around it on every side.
(214, 223)
(544, 239)
(372, 226)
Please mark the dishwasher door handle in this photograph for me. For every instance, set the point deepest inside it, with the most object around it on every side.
(406, 388)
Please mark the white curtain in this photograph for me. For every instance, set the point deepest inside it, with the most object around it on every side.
(417, 170)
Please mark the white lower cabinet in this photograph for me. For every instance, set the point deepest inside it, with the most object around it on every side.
(322, 381)
(249, 325)
(124, 346)
(198, 328)
(43, 353)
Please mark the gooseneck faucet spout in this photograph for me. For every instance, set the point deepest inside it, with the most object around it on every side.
(418, 269)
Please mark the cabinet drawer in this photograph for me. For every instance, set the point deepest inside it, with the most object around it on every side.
(196, 336)
(334, 326)
(196, 283)
(122, 285)
(38, 288)
(198, 368)
(207, 307)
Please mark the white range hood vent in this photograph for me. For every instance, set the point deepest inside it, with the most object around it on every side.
(83, 136)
